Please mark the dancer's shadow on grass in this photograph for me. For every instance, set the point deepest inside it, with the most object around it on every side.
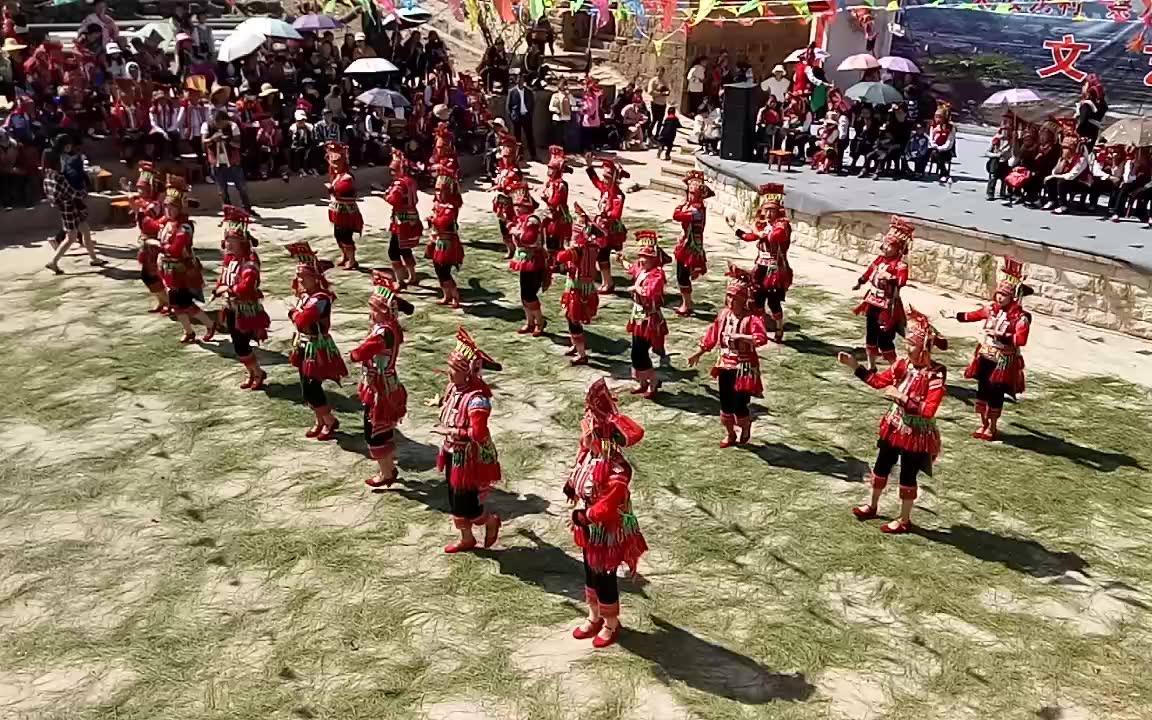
(550, 568)
(412, 456)
(434, 496)
(678, 655)
(809, 345)
(1021, 555)
(848, 469)
(117, 273)
(478, 301)
(291, 392)
(280, 223)
(222, 346)
(1043, 443)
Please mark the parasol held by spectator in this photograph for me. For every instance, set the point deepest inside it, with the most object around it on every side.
(895, 63)
(239, 45)
(862, 61)
(875, 93)
(382, 98)
(370, 66)
(269, 27)
(316, 23)
(1130, 131)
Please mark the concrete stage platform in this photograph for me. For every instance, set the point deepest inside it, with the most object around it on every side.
(1082, 268)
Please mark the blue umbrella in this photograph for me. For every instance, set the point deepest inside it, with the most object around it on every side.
(316, 23)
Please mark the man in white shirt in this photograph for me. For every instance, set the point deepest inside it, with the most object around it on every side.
(695, 85)
(777, 84)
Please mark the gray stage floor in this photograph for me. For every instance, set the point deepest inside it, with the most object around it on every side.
(961, 204)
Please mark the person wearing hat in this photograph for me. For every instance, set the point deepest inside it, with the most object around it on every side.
(384, 396)
(609, 215)
(915, 385)
(942, 142)
(314, 353)
(444, 248)
(507, 176)
(109, 32)
(530, 259)
(239, 286)
(738, 331)
(343, 204)
(998, 363)
(405, 227)
(772, 234)
(580, 299)
(777, 84)
(163, 126)
(646, 324)
(882, 307)
(193, 113)
(148, 209)
(468, 456)
(691, 261)
(558, 229)
(180, 269)
(602, 522)
(301, 141)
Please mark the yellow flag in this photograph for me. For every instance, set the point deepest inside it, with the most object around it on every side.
(706, 8)
(473, 14)
(893, 6)
(658, 44)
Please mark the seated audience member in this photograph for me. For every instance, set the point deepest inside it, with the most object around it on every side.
(798, 127)
(1133, 177)
(889, 148)
(828, 144)
(1070, 176)
(769, 123)
(918, 152)
(999, 156)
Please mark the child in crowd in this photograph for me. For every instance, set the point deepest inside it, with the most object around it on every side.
(668, 130)
(917, 152)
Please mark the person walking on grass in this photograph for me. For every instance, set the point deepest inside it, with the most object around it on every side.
(72, 206)
(602, 522)
(468, 457)
(915, 385)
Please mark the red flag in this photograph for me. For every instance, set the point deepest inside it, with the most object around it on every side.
(504, 10)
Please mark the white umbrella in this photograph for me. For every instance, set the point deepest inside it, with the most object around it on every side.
(238, 45)
(1013, 96)
(163, 32)
(269, 27)
(863, 61)
(408, 18)
(796, 55)
(369, 66)
(895, 63)
(382, 98)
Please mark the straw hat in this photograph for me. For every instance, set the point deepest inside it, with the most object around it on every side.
(12, 45)
(268, 89)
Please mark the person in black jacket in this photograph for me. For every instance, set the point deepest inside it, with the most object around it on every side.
(520, 107)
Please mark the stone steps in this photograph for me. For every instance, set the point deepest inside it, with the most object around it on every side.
(669, 185)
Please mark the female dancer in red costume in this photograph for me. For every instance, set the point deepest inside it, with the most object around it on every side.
(314, 352)
(603, 526)
(239, 285)
(738, 331)
(179, 267)
(468, 456)
(405, 227)
(647, 325)
(558, 228)
(147, 209)
(882, 308)
(773, 274)
(343, 205)
(530, 259)
(384, 397)
(915, 386)
(691, 261)
(580, 299)
(609, 216)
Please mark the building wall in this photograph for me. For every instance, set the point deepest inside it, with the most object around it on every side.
(762, 45)
(638, 57)
(845, 39)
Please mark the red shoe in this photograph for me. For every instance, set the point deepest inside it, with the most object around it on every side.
(580, 633)
(314, 431)
(210, 334)
(492, 530)
(258, 383)
(460, 546)
(188, 339)
(896, 527)
(247, 383)
(540, 329)
(779, 338)
(454, 304)
(160, 309)
(602, 642)
(728, 441)
(343, 263)
(578, 361)
(682, 311)
(606, 290)
(864, 512)
(327, 432)
(524, 330)
(982, 434)
(377, 482)
(570, 352)
(638, 391)
(744, 436)
(352, 266)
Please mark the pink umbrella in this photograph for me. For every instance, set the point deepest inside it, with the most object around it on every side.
(1013, 96)
(893, 63)
(863, 61)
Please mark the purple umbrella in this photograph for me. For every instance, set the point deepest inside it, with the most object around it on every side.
(894, 63)
(316, 23)
(1013, 96)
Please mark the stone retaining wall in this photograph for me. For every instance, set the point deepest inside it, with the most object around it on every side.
(1088, 289)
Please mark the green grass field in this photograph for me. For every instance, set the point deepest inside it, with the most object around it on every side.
(172, 547)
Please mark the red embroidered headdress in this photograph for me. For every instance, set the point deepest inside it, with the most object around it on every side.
(147, 182)
(695, 186)
(557, 163)
(469, 358)
(337, 154)
(899, 235)
(650, 246)
(919, 332)
(235, 223)
(771, 196)
(740, 283)
(1013, 282)
(177, 193)
(613, 170)
(384, 291)
(308, 264)
(600, 409)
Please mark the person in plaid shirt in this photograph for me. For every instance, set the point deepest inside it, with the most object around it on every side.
(70, 203)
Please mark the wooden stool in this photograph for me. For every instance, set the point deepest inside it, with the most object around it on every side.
(120, 212)
(780, 157)
(192, 169)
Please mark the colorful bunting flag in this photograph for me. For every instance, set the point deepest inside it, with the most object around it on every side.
(750, 6)
(706, 8)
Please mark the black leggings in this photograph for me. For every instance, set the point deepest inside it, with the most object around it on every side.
(241, 341)
(683, 276)
(462, 503)
(987, 391)
(395, 254)
(604, 254)
(874, 335)
(443, 272)
(530, 282)
(641, 360)
(505, 232)
(731, 401)
(774, 299)
(575, 328)
(313, 391)
(373, 438)
(911, 463)
(345, 237)
(605, 585)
